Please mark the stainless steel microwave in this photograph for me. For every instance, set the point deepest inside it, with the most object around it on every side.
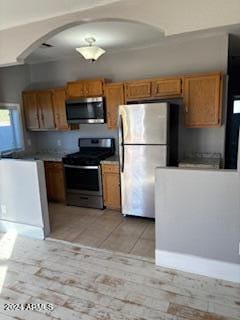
(88, 110)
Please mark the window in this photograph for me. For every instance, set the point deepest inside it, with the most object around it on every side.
(11, 138)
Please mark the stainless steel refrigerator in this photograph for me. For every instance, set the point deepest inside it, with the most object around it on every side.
(147, 139)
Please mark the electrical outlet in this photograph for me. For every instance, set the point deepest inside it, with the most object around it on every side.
(59, 143)
(3, 209)
(29, 142)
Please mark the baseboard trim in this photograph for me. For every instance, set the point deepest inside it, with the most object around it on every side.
(201, 266)
(22, 229)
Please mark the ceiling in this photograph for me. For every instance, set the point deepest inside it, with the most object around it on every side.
(110, 35)
(25, 24)
(16, 13)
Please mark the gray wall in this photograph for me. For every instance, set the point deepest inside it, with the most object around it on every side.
(23, 198)
(13, 80)
(196, 214)
(48, 141)
(176, 56)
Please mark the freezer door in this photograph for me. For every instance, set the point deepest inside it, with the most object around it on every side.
(138, 176)
(144, 123)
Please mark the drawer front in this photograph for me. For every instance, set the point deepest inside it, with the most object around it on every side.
(54, 164)
(114, 168)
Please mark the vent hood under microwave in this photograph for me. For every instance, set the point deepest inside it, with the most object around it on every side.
(88, 110)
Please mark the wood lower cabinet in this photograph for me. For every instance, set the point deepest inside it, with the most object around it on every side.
(54, 173)
(85, 88)
(111, 186)
(45, 110)
(167, 87)
(203, 100)
(114, 94)
(30, 110)
(138, 89)
(58, 99)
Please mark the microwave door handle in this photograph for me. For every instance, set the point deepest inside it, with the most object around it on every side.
(121, 144)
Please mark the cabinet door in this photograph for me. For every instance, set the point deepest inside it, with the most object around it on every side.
(30, 110)
(45, 106)
(76, 89)
(55, 181)
(167, 87)
(93, 88)
(203, 100)
(111, 186)
(138, 90)
(85, 88)
(58, 98)
(114, 94)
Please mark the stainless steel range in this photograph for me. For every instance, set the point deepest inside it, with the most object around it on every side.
(83, 172)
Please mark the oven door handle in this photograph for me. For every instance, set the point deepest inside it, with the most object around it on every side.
(80, 167)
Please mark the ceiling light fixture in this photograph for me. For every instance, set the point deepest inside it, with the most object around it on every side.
(91, 52)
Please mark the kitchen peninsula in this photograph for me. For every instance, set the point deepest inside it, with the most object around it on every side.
(198, 220)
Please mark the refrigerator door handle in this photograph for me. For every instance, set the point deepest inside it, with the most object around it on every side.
(121, 144)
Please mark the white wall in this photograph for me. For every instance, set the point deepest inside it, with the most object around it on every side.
(173, 57)
(23, 200)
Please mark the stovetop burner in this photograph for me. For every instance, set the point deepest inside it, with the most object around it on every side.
(91, 152)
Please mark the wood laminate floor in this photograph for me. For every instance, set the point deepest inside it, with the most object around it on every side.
(89, 284)
(106, 229)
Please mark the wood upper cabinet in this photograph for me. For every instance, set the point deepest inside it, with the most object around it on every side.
(30, 110)
(58, 98)
(153, 88)
(85, 88)
(54, 174)
(203, 100)
(38, 110)
(111, 186)
(45, 109)
(114, 94)
(75, 89)
(167, 87)
(93, 88)
(138, 89)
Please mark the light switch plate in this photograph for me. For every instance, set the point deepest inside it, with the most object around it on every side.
(59, 143)
(3, 209)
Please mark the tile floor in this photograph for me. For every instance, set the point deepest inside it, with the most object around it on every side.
(106, 229)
